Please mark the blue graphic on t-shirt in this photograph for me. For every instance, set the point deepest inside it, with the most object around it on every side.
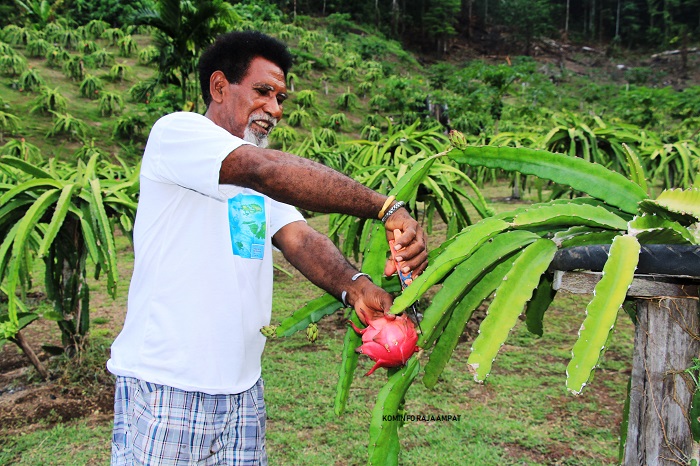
(246, 217)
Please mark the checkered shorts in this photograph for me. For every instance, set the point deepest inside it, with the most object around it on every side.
(160, 425)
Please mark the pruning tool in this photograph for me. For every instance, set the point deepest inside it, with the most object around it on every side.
(406, 280)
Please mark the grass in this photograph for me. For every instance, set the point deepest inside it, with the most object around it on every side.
(522, 415)
(77, 443)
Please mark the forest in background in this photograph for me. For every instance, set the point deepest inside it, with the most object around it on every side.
(506, 26)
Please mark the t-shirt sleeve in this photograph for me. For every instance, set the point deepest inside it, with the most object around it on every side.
(187, 149)
(282, 214)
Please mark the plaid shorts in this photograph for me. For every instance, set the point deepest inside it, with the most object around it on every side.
(160, 425)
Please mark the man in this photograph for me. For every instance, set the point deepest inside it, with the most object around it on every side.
(213, 203)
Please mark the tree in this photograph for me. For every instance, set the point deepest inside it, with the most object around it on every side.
(183, 29)
(41, 12)
(528, 19)
(439, 20)
(114, 12)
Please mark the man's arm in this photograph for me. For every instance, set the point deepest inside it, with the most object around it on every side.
(317, 258)
(313, 186)
(300, 182)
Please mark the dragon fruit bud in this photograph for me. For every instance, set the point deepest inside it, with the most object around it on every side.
(312, 332)
(389, 343)
(457, 139)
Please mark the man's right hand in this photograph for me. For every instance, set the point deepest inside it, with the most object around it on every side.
(410, 246)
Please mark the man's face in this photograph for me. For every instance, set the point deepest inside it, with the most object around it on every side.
(254, 106)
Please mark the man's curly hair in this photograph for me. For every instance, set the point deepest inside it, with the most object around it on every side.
(232, 53)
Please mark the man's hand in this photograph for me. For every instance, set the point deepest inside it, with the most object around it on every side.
(410, 244)
(370, 301)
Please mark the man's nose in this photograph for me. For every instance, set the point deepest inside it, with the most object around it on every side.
(273, 107)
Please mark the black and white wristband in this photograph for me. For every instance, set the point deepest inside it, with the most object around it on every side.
(344, 294)
(393, 209)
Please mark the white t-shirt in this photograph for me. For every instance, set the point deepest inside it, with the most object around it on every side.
(202, 282)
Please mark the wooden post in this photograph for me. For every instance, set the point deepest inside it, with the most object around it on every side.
(667, 338)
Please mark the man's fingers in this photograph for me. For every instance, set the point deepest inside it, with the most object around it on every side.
(389, 268)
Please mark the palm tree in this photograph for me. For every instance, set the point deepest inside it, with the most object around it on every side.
(183, 29)
(41, 12)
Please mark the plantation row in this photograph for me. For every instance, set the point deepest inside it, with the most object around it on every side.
(337, 77)
(494, 105)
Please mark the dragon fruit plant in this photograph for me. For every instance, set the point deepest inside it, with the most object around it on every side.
(507, 256)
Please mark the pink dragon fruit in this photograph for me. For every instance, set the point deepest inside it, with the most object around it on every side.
(388, 342)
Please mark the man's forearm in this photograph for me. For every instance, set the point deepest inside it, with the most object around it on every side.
(317, 258)
(300, 182)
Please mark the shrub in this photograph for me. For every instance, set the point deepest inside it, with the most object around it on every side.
(12, 65)
(365, 87)
(298, 117)
(126, 45)
(38, 48)
(378, 102)
(347, 100)
(304, 67)
(110, 103)
(67, 125)
(119, 72)
(347, 73)
(56, 57)
(68, 39)
(374, 71)
(74, 67)
(306, 43)
(148, 54)
(16, 35)
(91, 86)
(371, 133)
(285, 135)
(30, 80)
(143, 90)
(9, 123)
(112, 35)
(87, 46)
(21, 149)
(6, 49)
(100, 58)
(49, 101)
(95, 28)
(306, 99)
(336, 121)
(326, 136)
(129, 127)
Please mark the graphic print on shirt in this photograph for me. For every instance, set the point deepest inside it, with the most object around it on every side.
(246, 218)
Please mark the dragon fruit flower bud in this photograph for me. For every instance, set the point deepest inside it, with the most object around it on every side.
(457, 139)
(312, 332)
(269, 331)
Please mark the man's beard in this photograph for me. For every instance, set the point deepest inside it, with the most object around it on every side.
(259, 139)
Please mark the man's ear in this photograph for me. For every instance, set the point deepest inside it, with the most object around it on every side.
(217, 84)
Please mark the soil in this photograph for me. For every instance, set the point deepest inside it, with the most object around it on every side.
(28, 403)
